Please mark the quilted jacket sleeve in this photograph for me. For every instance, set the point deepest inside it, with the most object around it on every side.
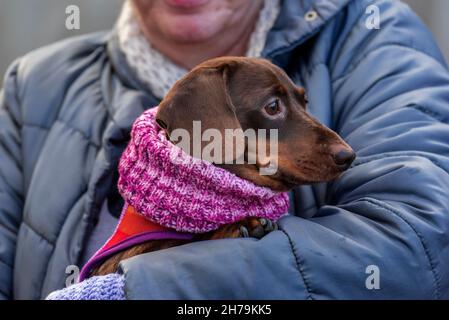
(11, 197)
(384, 231)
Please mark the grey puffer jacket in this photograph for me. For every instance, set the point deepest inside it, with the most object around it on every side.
(65, 115)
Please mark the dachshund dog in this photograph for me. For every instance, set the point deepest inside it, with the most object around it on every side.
(249, 93)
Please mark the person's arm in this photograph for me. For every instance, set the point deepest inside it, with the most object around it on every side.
(11, 180)
(387, 216)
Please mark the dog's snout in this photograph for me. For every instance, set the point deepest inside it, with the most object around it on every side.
(343, 157)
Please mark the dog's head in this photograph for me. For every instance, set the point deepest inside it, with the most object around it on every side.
(248, 93)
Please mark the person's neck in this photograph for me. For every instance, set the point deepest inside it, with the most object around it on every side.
(230, 42)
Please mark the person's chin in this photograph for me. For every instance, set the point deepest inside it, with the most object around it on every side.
(196, 26)
(189, 29)
(186, 4)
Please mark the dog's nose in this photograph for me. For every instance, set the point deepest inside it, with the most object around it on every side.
(344, 157)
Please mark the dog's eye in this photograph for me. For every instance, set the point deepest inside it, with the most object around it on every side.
(273, 108)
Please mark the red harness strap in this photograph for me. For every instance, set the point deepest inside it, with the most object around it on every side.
(132, 229)
(131, 223)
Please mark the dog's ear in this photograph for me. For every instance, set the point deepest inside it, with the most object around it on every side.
(202, 99)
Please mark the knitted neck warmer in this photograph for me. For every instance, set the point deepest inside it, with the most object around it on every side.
(170, 195)
(177, 191)
(157, 71)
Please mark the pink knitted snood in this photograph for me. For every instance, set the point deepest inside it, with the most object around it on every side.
(169, 187)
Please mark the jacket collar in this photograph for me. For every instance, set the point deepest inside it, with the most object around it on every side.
(297, 22)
